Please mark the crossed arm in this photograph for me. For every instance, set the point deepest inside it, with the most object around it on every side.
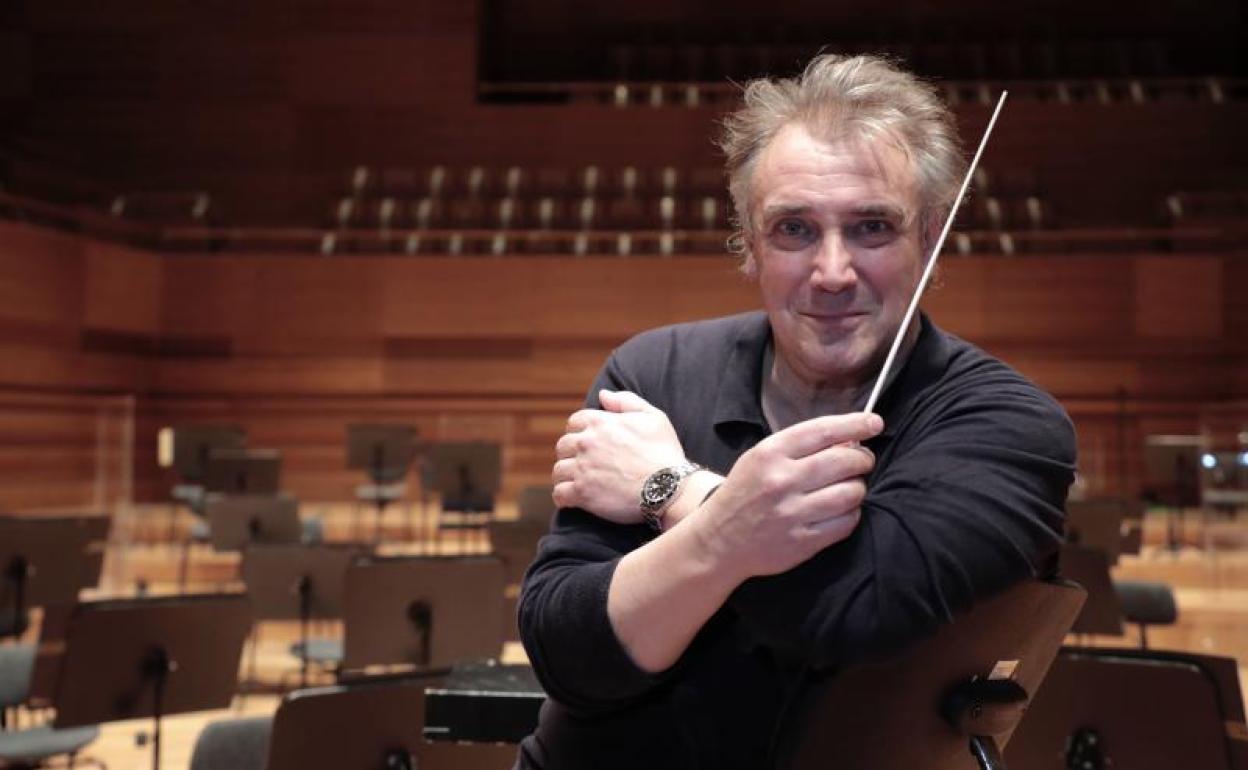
(786, 499)
(958, 510)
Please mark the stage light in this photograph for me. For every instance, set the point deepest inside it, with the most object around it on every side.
(1209, 461)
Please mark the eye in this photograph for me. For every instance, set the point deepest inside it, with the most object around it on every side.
(791, 234)
(872, 232)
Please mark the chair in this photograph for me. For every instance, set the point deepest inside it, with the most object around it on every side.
(1146, 603)
(1108, 708)
(33, 746)
(233, 744)
(959, 692)
(515, 542)
(17, 663)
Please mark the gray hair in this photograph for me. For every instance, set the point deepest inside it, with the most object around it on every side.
(859, 97)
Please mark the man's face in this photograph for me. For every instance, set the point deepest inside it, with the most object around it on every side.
(835, 236)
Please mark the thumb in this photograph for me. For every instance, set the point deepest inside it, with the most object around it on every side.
(624, 401)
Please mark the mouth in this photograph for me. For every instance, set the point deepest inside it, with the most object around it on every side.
(832, 318)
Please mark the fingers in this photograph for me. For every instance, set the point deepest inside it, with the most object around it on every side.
(564, 495)
(812, 435)
(582, 419)
(568, 445)
(563, 470)
(833, 500)
(834, 528)
(624, 401)
(833, 465)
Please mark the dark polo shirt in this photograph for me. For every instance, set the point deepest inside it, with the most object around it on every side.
(966, 499)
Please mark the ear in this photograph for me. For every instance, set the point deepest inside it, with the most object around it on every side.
(741, 244)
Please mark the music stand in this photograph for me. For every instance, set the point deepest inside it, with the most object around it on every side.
(1172, 478)
(45, 560)
(297, 582)
(385, 452)
(133, 658)
(427, 612)
(373, 724)
(237, 521)
(1097, 524)
(467, 475)
(1224, 480)
(969, 683)
(243, 471)
(1113, 708)
(1089, 567)
(192, 445)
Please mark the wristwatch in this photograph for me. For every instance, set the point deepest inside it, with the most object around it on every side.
(659, 489)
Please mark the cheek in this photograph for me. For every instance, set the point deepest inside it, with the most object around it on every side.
(779, 279)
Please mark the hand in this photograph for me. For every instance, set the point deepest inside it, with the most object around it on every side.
(794, 494)
(605, 456)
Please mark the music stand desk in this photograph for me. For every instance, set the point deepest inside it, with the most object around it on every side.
(423, 611)
(372, 724)
(236, 521)
(1142, 709)
(45, 560)
(1102, 612)
(134, 658)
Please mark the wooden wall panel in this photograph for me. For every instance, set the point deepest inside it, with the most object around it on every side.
(41, 281)
(122, 290)
(1179, 298)
(295, 348)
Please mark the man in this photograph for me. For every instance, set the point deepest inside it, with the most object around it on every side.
(674, 610)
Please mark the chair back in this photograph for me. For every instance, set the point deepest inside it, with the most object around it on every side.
(888, 716)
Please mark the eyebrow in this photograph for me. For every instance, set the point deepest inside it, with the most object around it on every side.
(882, 210)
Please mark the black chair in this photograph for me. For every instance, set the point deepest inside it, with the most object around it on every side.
(1146, 603)
(948, 702)
(233, 744)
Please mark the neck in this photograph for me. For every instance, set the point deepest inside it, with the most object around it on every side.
(789, 398)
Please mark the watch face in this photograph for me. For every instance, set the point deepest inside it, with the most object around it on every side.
(659, 487)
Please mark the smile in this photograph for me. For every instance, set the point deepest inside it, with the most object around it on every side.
(835, 319)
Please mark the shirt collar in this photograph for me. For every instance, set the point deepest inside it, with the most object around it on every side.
(925, 365)
(740, 385)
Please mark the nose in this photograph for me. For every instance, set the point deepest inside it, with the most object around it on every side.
(833, 270)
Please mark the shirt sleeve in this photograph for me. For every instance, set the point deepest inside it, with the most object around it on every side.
(969, 501)
(563, 619)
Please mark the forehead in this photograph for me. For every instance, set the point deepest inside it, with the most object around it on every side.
(798, 169)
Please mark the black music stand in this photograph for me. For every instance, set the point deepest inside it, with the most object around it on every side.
(484, 702)
(243, 471)
(237, 521)
(45, 560)
(192, 445)
(1146, 710)
(133, 658)
(966, 686)
(426, 612)
(385, 452)
(297, 582)
(467, 475)
(1172, 479)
